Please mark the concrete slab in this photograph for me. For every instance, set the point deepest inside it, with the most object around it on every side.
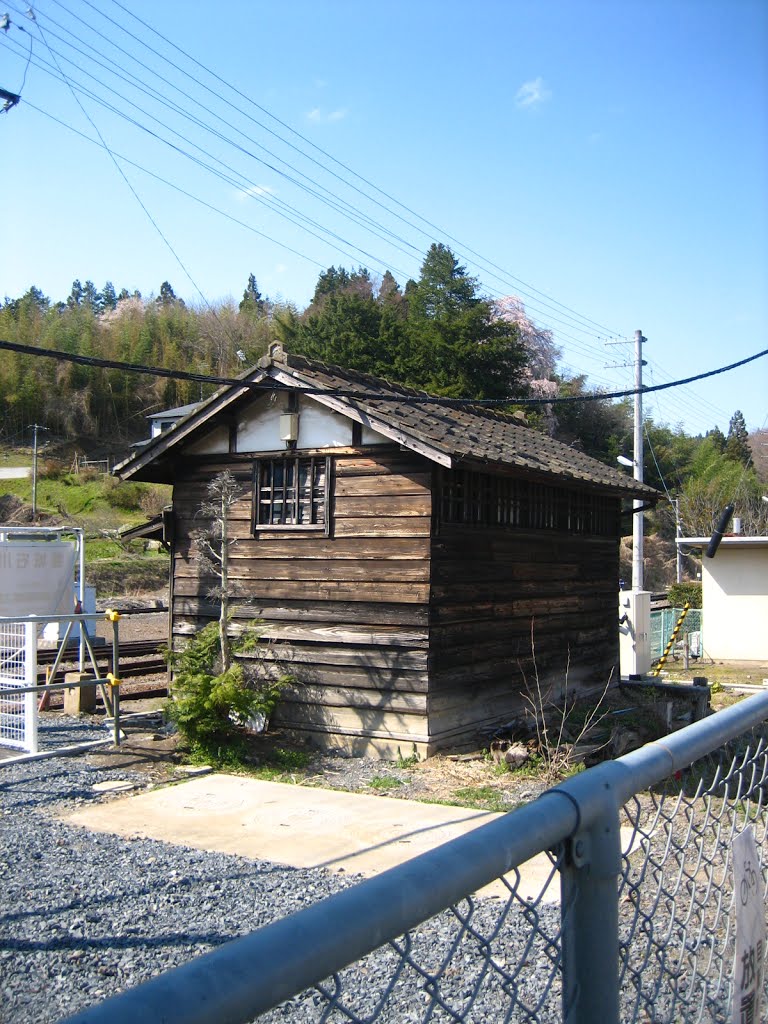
(299, 826)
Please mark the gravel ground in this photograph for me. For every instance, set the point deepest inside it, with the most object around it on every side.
(86, 915)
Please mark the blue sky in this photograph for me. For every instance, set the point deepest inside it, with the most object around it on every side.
(605, 161)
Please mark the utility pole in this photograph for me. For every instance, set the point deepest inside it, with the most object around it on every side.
(637, 517)
(678, 533)
(35, 428)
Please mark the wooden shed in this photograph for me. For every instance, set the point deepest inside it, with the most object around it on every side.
(415, 564)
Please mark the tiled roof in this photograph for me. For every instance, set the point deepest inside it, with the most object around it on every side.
(460, 432)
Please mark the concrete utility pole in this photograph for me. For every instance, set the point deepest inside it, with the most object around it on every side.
(637, 517)
(35, 428)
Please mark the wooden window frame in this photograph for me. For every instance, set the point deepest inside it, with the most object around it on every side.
(471, 498)
(315, 502)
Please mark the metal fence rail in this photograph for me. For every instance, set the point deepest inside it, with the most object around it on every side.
(641, 929)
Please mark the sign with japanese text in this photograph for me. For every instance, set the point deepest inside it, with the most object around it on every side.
(750, 930)
(36, 577)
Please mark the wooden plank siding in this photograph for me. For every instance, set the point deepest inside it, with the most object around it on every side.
(346, 614)
(402, 631)
(509, 606)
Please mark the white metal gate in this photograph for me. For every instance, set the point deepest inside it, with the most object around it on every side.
(18, 669)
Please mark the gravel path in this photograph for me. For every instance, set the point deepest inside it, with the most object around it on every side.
(85, 915)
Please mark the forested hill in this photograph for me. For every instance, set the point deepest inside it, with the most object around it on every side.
(438, 333)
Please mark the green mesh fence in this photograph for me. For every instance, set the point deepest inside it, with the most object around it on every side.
(663, 622)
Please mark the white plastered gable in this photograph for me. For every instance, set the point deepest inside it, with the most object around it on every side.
(259, 428)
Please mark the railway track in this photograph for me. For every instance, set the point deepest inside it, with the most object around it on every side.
(129, 649)
(137, 658)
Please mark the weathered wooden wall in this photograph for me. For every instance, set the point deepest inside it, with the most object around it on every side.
(347, 614)
(509, 606)
(401, 632)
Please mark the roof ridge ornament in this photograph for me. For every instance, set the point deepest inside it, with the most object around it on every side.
(276, 352)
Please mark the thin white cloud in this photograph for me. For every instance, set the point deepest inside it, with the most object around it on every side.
(532, 93)
(255, 190)
(320, 116)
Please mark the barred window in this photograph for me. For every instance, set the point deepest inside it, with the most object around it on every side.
(482, 499)
(291, 493)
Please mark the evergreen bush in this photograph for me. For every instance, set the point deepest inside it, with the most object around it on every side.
(679, 593)
(210, 707)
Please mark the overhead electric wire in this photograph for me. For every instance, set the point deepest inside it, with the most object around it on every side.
(163, 57)
(576, 342)
(122, 174)
(178, 188)
(384, 263)
(243, 185)
(406, 397)
(583, 347)
(336, 203)
(608, 331)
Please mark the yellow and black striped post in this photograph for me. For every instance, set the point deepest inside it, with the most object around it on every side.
(660, 663)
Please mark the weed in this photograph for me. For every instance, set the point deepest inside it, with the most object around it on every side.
(385, 782)
(407, 762)
(551, 719)
(482, 798)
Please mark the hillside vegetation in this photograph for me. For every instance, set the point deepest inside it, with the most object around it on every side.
(102, 506)
(437, 333)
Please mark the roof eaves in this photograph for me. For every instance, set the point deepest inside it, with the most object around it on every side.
(161, 444)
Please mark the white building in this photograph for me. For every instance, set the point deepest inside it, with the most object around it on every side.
(734, 597)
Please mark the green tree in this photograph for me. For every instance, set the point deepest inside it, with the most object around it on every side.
(444, 289)
(252, 301)
(717, 437)
(737, 444)
(167, 295)
(75, 296)
(108, 296)
(389, 291)
(457, 346)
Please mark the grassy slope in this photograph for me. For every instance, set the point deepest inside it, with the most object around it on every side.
(102, 506)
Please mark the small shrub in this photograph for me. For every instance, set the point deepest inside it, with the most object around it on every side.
(407, 762)
(154, 499)
(679, 593)
(124, 495)
(211, 708)
(51, 470)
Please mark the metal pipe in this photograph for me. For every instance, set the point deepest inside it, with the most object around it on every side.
(249, 976)
(50, 687)
(228, 985)
(42, 755)
(589, 908)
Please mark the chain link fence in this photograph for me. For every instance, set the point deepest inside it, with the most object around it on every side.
(663, 622)
(629, 914)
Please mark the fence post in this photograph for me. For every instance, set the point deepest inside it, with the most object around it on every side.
(590, 921)
(30, 679)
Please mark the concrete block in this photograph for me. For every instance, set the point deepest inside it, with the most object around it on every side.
(79, 700)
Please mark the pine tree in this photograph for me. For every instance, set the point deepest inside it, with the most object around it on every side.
(75, 296)
(737, 444)
(108, 296)
(252, 301)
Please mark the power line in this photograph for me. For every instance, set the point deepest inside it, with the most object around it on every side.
(327, 155)
(406, 396)
(208, 71)
(576, 343)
